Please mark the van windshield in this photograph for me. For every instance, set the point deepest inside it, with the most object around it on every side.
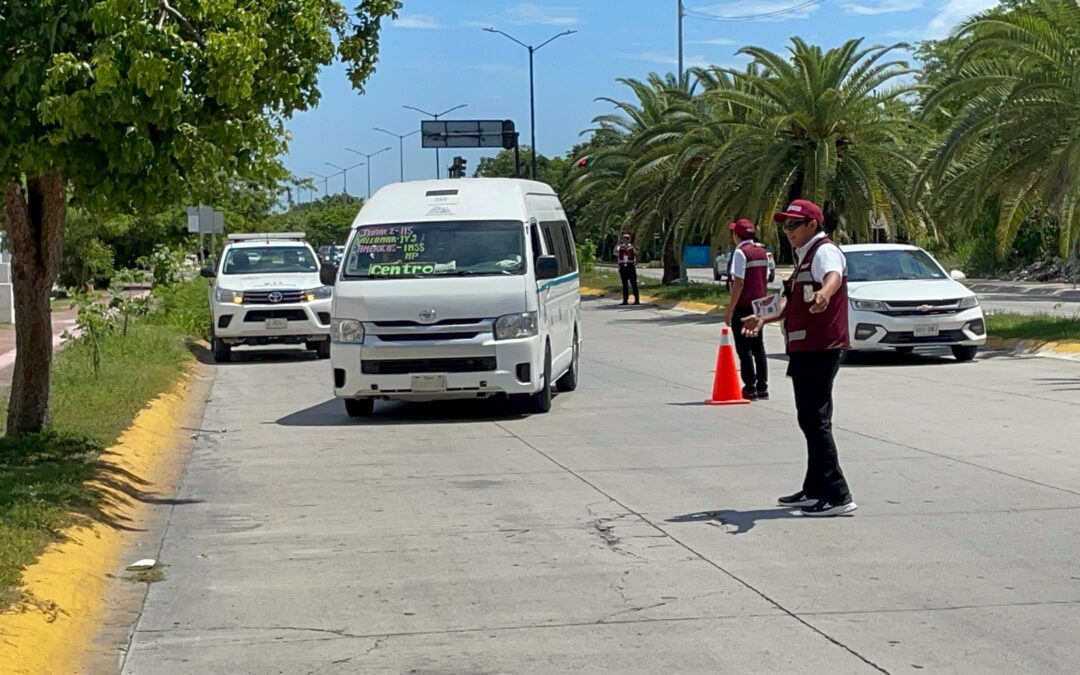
(432, 249)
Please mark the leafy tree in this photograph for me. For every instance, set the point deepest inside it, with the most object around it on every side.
(127, 105)
(324, 222)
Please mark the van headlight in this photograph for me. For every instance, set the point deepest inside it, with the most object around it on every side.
(320, 293)
(969, 302)
(868, 305)
(229, 297)
(348, 331)
(514, 326)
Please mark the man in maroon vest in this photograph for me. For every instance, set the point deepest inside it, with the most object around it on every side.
(627, 257)
(816, 331)
(748, 273)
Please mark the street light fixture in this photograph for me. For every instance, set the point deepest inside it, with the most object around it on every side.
(438, 168)
(401, 148)
(344, 171)
(368, 157)
(532, 97)
(325, 180)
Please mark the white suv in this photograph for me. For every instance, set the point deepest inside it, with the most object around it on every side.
(266, 290)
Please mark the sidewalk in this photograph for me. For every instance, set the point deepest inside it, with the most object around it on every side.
(61, 321)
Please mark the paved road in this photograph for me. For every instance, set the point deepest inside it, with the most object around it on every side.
(631, 530)
(1015, 297)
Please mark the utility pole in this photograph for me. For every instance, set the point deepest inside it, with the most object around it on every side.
(438, 167)
(532, 96)
(681, 16)
(368, 157)
(401, 148)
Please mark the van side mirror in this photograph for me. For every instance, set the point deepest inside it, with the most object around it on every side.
(328, 274)
(547, 267)
(207, 272)
(957, 275)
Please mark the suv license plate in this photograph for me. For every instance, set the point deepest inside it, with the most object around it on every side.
(428, 384)
(926, 330)
(276, 324)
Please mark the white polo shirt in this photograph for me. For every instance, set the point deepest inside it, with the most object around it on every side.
(829, 258)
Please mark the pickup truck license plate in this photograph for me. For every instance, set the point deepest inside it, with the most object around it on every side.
(276, 324)
(926, 330)
(428, 384)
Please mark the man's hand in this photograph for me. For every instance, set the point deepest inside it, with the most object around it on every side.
(728, 316)
(819, 301)
(751, 325)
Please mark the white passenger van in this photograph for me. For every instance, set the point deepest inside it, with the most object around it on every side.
(461, 288)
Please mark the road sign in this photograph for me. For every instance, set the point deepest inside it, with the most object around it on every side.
(468, 134)
(205, 220)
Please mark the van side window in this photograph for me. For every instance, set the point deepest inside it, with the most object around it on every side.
(556, 241)
(534, 235)
(568, 241)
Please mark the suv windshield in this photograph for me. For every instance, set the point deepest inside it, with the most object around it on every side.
(892, 265)
(446, 248)
(270, 260)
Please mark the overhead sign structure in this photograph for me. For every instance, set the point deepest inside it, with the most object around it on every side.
(468, 134)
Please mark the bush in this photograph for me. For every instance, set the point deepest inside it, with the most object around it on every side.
(184, 307)
(586, 255)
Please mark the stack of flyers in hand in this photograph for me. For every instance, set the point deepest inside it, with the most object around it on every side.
(770, 304)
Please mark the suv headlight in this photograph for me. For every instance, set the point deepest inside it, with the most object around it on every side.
(513, 326)
(868, 305)
(320, 293)
(229, 297)
(969, 302)
(347, 330)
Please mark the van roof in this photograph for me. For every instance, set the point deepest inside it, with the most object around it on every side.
(451, 199)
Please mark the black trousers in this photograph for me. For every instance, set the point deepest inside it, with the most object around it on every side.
(812, 374)
(628, 274)
(753, 363)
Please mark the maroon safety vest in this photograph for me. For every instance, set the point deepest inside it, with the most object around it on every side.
(756, 281)
(806, 332)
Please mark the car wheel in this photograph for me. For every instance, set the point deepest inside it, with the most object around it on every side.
(964, 352)
(569, 381)
(222, 350)
(540, 402)
(360, 407)
(323, 349)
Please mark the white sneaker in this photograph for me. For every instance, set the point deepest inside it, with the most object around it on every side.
(824, 508)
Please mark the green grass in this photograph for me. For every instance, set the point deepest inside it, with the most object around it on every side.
(1042, 327)
(609, 282)
(42, 476)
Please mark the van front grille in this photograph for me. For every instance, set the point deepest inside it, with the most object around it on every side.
(416, 366)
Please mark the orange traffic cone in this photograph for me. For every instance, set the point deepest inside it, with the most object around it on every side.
(726, 389)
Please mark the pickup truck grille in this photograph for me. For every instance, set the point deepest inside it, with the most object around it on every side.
(263, 297)
(416, 366)
(260, 315)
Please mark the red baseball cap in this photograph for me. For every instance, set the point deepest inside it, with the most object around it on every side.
(801, 208)
(744, 228)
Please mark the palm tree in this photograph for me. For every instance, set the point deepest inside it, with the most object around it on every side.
(1016, 138)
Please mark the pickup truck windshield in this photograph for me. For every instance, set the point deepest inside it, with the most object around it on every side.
(270, 260)
(433, 249)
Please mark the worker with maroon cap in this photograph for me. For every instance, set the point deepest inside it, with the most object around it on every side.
(815, 322)
(749, 281)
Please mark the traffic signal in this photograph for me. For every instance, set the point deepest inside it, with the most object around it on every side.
(457, 169)
(509, 135)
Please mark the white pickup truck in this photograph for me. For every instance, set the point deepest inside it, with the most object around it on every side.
(265, 290)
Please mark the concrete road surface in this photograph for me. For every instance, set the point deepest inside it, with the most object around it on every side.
(995, 296)
(632, 529)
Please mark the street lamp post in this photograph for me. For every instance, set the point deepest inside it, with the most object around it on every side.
(438, 168)
(401, 148)
(325, 180)
(368, 157)
(344, 170)
(532, 97)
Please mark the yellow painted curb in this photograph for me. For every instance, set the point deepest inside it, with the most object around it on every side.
(687, 305)
(53, 631)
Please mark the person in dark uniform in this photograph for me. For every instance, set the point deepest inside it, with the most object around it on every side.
(748, 275)
(815, 319)
(626, 254)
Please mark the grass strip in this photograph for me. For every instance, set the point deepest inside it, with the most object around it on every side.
(1038, 327)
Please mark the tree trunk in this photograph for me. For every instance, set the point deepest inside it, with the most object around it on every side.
(671, 262)
(35, 225)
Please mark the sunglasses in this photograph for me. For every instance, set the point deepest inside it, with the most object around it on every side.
(795, 223)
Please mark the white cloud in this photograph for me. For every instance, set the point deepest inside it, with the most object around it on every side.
(418, 21)
(759, 8)
(531, 14)
(883, 7)
(669, 59)
(951, 13)
(714, 41)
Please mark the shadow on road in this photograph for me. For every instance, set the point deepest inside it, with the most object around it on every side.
(243, 356)
(1059, 383)
(392, 413)
(741, 521)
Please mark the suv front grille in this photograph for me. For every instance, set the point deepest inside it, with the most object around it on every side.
(921, 307)
(411, 366)
(263, 297)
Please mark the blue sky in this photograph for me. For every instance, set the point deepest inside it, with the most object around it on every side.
(435, 56)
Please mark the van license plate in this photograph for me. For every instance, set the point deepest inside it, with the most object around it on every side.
(429, 384)
(276, 324)
(926, 330)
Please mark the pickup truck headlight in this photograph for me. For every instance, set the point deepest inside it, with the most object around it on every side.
(348, 331)
(320, 293)
(229, 297)
(513, 326)
(868, 305)
(969, 302)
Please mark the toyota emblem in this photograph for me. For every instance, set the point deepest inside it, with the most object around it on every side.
(925, 308)
(428, 315)
(275, 297)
